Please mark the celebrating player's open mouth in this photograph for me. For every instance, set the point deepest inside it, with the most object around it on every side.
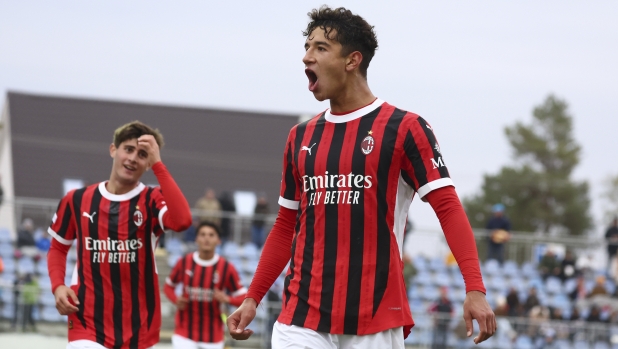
(313, 79)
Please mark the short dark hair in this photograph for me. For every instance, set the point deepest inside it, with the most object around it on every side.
(351, 31)
(134, 130)
(210, 225)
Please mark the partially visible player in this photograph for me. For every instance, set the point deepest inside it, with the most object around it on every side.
(206, 279)
(113, 300)
(349, 176)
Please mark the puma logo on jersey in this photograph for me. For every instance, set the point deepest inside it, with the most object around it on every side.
(85, 214)
(304, 147)
(189, 272)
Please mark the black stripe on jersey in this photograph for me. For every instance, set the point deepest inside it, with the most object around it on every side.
(149, 269)
(290, 182)
(189, 306)
(298, 138)
(135, 275)
(331, 227)
(81, 290)
(434, 144)
(302, 308)
(200, 317)
(357, 231)
(97, 281)
(66, 219)
(383, 255)
(413, 154)
(224, 276)
(114, 273)
(181, 278)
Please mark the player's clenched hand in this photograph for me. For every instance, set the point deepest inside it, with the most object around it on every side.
(64, 296)
(150, 145)
(476, 307)
(238, 321)
(181, 303)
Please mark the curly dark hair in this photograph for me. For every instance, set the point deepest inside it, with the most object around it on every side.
(134, 130)
(350, 30)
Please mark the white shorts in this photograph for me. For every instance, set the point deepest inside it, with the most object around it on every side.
(294, 337)
(86, 344)
(180, 342)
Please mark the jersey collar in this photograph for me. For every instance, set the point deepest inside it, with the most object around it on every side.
(353, 115)
(205, 263)
(122, 197)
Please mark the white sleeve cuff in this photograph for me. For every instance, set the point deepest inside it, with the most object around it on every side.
(59, 238)
(239, 292)
(433, 185)
(292, 205)
(161, 213)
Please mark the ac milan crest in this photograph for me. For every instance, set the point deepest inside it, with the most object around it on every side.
(138, 217)
(367, 144)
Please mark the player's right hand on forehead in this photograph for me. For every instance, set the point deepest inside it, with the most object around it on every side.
(66, 300)
(239, 320)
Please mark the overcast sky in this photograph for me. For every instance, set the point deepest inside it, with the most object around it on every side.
(470, 68)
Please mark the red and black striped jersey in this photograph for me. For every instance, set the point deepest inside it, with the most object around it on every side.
(201, 320)
(115, 277)
(352, 177)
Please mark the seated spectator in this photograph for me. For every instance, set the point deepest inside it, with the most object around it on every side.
(532, 300)
(580, 290)
(575, 315)
(25, 237)
(549, 265)
(556, 314)
(44, 242)
(595, 314)
(512, 301)
(567, 266)
(599, 287)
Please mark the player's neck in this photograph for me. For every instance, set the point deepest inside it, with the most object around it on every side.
(116, 187)
(355, 96)
(206, 255)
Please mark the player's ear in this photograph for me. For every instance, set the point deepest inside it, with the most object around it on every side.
(112, 150)
(353, 61)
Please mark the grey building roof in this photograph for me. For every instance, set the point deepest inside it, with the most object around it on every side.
(54, 138)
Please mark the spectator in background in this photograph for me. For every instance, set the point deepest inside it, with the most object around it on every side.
(25, 235)
(549, 265)
(532, 300)
(580, 290)
(599, 287)
(595, 314)
(30, 290)
(226, 201)
(567, 266)
(499, 228)
(611, 236)
(257, 226)
(443, 309)
(43, 242)
(189, 235)
(512, 301)
(210, 208)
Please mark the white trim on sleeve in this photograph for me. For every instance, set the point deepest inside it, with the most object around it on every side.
(292, 205)
(168, 281)
(161, 213)
(433, 185)
(59, 238)
(239, 291)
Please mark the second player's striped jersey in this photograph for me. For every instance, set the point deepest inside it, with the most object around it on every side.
(352, 177)
(115, 277)
(201, 320)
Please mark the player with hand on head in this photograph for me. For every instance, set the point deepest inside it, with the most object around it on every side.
(113, 300)
(344, 206)
(208, 282)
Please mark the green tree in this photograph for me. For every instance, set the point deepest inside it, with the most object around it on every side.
(537, 189)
